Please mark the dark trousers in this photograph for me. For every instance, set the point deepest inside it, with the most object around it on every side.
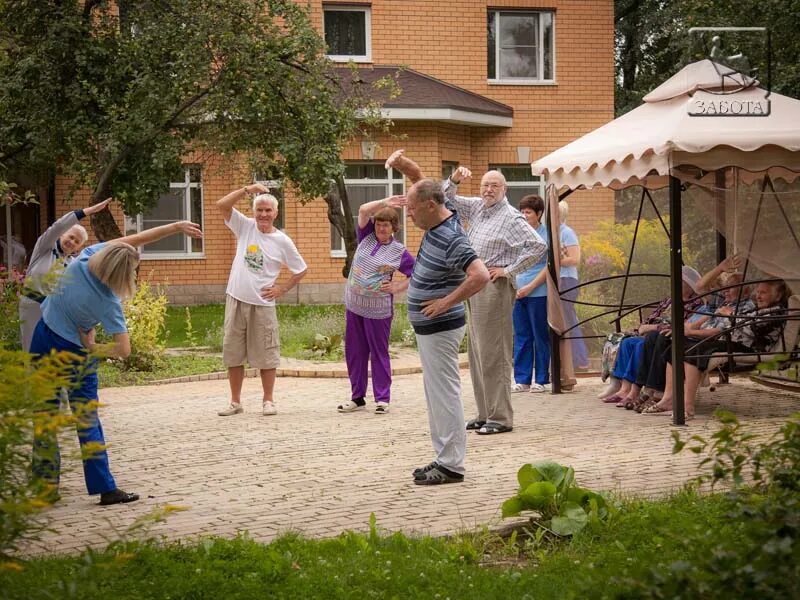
(653, 368)
(82, 394)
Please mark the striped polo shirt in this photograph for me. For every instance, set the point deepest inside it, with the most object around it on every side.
(442, 261)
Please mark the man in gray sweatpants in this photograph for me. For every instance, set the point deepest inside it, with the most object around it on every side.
(446, 273)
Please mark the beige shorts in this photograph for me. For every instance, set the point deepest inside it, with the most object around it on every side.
(250, 335)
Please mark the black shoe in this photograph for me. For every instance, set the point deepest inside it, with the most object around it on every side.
(420, 472)
(117, 496)
(439, 475)
(475, 424)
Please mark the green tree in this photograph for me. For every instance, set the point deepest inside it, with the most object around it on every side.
(653, 42)
(115, 94)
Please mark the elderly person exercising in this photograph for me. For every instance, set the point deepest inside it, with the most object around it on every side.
(90, 293)
(369, 301)
(57, 246)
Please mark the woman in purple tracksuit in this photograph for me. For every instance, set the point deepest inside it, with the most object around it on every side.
(369, 301)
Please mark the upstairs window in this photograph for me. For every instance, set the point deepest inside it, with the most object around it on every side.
(181, 201)
(347, 32)
(520, 47)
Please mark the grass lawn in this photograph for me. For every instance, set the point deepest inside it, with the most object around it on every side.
(174, 366)
(298, 325)
(614, 560)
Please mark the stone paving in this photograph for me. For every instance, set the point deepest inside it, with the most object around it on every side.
(312, 470)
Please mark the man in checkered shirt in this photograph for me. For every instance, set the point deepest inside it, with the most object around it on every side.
(507, 245)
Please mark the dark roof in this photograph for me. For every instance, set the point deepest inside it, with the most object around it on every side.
(419, 90)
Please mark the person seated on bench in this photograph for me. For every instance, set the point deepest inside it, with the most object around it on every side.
(629, 355)
(651, 377)
(756, 331)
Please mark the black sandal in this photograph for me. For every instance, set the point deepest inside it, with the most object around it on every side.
(420, 472)
(438, 475)
(117, 496)
(475, 424)
(492, 428)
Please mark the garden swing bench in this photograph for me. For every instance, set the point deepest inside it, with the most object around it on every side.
(726, 162)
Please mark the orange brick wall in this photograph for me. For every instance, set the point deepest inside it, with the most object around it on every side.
(447, 41)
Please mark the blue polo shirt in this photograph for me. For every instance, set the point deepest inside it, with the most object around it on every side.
(82, 301)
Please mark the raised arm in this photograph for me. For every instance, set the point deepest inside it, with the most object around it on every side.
(44, 245)
(368, 209)
(226, 203)
(399, 161)
(148, 236)
(706, 282)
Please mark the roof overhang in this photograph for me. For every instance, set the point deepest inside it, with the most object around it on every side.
(446, 115)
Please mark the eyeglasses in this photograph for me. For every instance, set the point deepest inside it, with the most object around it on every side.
(491, 186)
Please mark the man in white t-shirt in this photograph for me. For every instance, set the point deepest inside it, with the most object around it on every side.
(251, 324)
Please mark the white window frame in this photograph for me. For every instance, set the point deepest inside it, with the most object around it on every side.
(367, 10)
(538, 186)
(540, 53)
(393, 177)
(187, 186)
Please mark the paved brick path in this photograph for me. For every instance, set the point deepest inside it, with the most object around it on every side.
(313, 470)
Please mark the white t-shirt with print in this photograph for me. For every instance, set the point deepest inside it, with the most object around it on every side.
(259, 258)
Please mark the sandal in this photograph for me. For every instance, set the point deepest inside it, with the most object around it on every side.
(492, 428)
(612, 399)
(351, 406)
(475, 424)
(658, 410)
(646, 404)
(438, 475)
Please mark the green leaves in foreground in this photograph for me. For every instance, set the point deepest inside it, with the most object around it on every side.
(550, 489)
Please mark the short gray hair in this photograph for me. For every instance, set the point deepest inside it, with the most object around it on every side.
(266, 198)
(429, 189)
(563, 211)
(81, 232)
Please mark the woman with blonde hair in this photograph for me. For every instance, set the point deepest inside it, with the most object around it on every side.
(91, 292)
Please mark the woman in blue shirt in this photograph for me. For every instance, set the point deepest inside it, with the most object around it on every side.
(570, 259)
(531, 332)
(91, 292)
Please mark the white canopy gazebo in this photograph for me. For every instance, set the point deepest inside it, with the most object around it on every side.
(705, 126)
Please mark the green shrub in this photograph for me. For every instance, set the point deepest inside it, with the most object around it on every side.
(764, 493)
(25, 388)
(145, 314)
(10, 288)
(550, 489)
(604, 253)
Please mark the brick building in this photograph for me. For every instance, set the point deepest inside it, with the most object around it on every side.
(485, 85)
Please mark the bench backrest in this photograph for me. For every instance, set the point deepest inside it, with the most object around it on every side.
(791, 331)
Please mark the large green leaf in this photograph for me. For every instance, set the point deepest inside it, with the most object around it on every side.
(551, 471)
(511, 507)
(571, 519)
(538, 495)
(527, 475)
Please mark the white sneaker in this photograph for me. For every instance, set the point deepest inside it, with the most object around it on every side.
(233, 409)
(519, 387)
(268, 409)
(381, 408)
(537, 388)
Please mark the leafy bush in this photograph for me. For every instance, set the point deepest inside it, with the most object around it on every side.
(25, 388)
(550, 489)
(10, 288)
(145, 314)
(604, 253)
(764, 493)
(325, 347)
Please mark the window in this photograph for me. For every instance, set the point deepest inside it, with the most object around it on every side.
(520, 182)
(520, 47)
(347, 32)
(276, 189)
(365, 182)
(182, 201)
(448, 167)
